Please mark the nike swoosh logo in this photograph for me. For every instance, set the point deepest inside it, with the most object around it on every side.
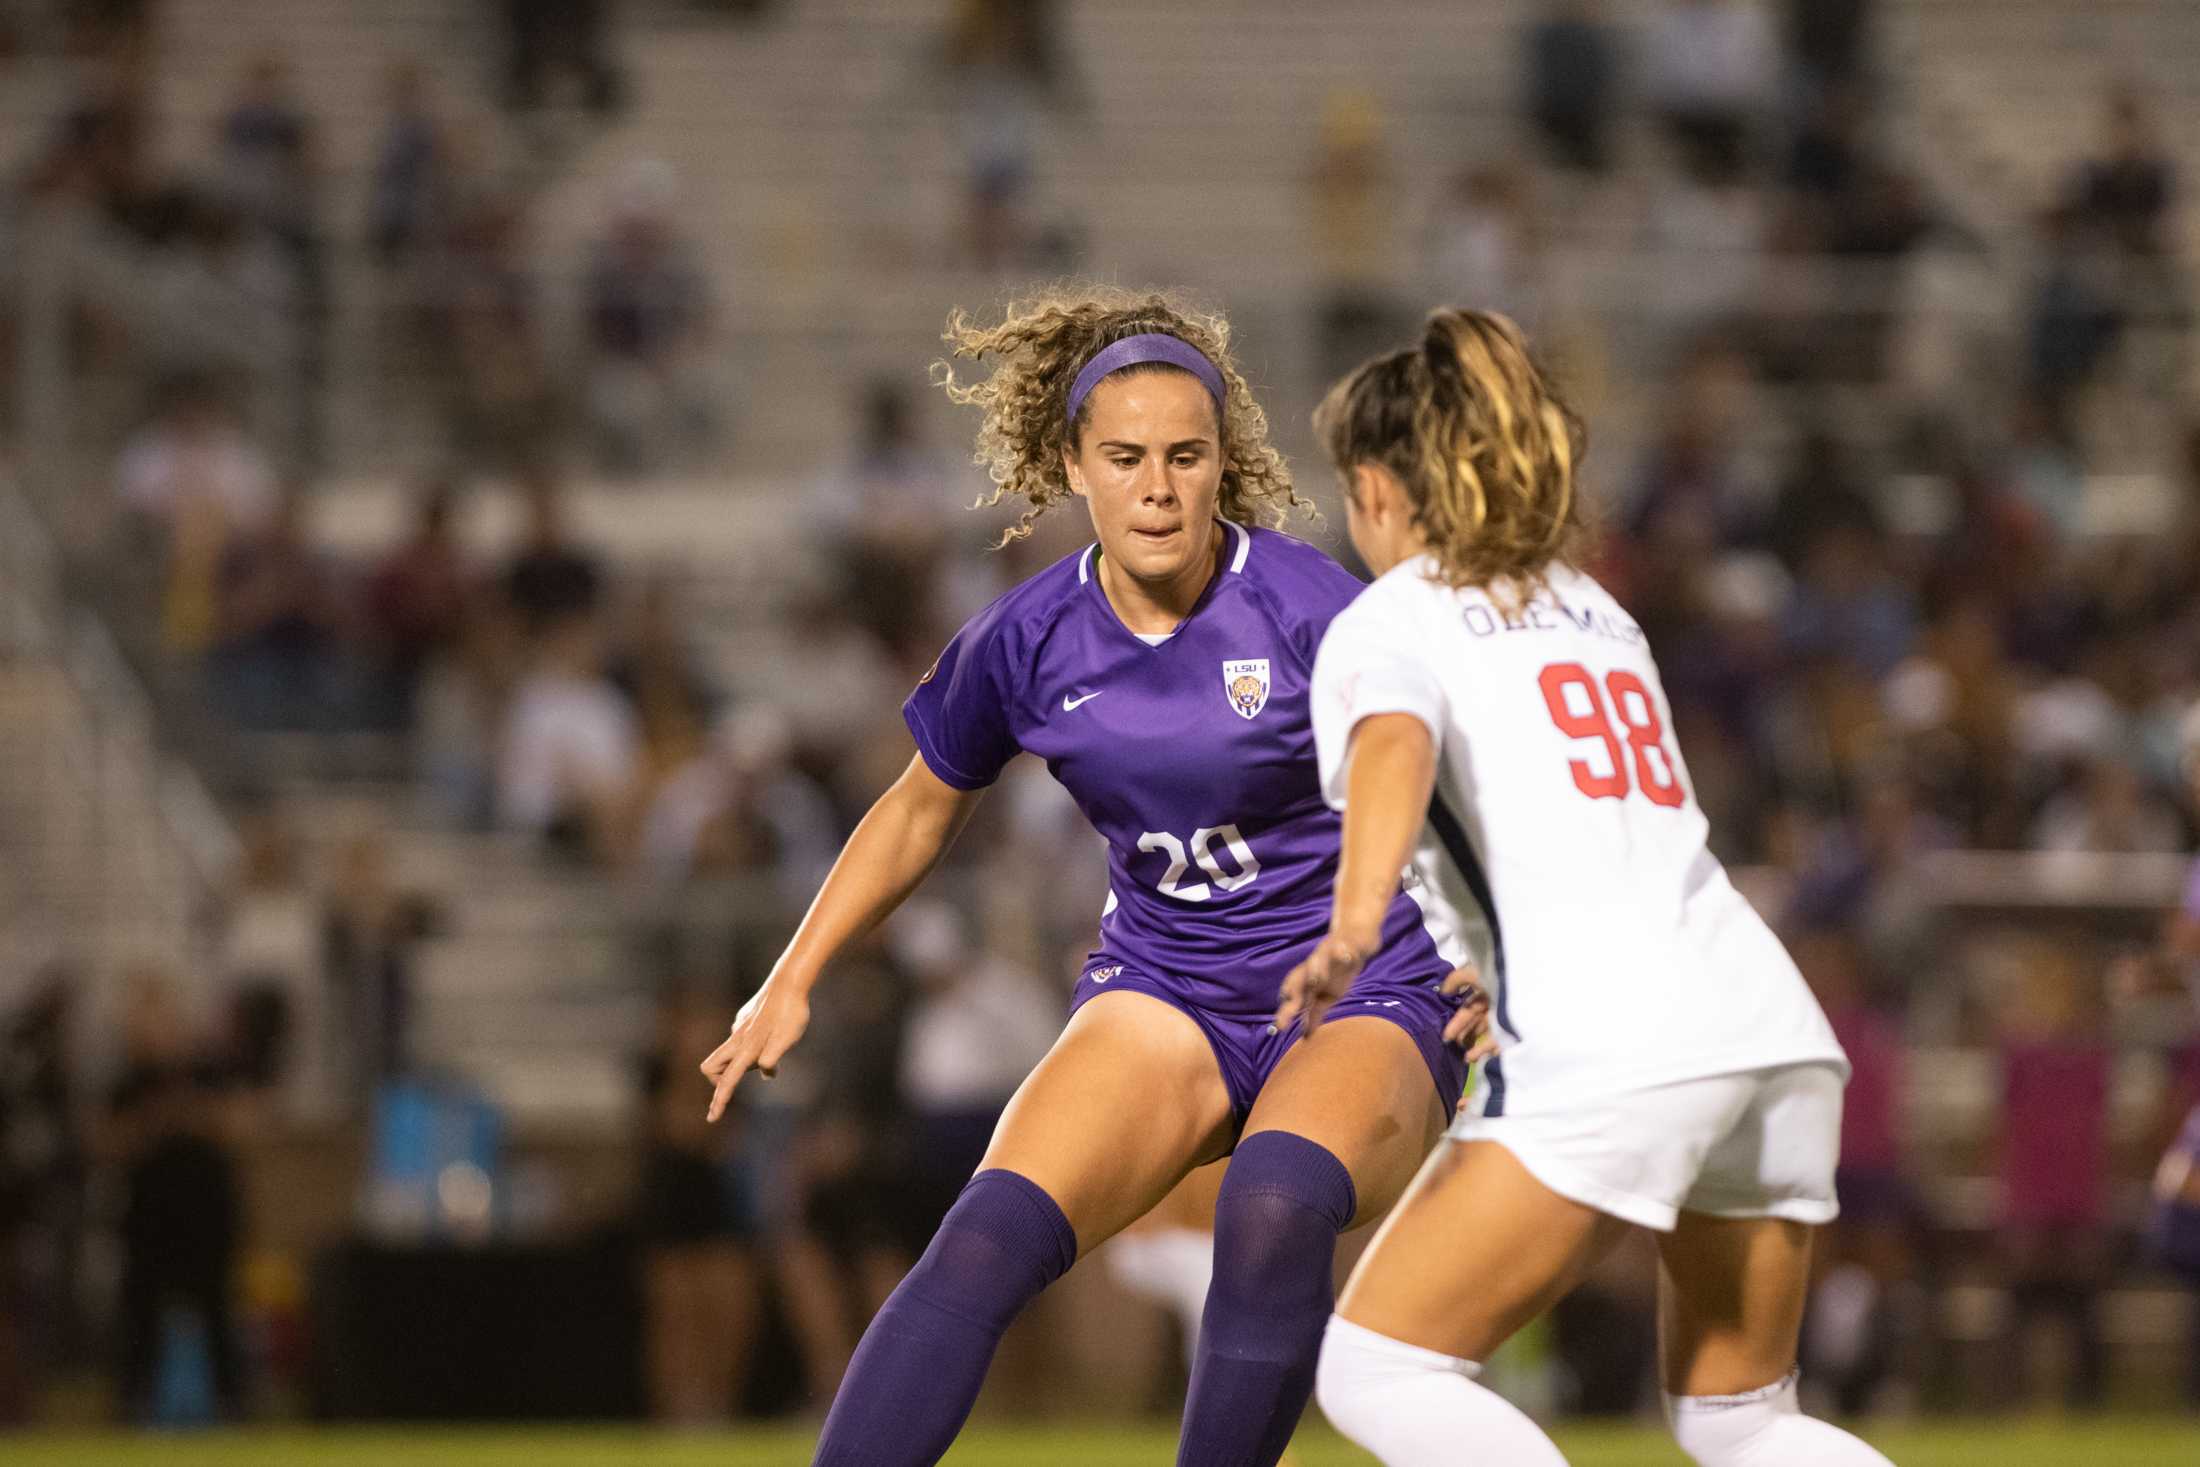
(1071, 705)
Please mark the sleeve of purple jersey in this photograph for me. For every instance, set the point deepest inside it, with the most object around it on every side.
(1325, 590)
(959, 712)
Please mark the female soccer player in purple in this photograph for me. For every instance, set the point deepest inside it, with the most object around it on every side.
(1162, 674)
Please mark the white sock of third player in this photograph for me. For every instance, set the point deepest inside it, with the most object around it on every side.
(1765, 1428)
(1417, 1408)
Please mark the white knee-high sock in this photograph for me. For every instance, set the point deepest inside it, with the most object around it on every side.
(1416, 1408)
(1763, 1428)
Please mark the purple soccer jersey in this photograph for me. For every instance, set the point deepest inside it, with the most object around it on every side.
(1194, 758)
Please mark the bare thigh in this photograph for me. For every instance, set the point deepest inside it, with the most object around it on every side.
(1129, 1100)
(1360, 1089)
(1190, 1207)
(1477, 1249)
(1730, 1302)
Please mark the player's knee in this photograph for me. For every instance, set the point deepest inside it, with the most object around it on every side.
(1409, 1404)
(1356, 1366)
(1004, 1240)
(1762, 1428)
(1283, 1202)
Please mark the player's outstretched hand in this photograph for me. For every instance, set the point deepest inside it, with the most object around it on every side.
(1314, 986)
(765, 1029)
(1469, 1025)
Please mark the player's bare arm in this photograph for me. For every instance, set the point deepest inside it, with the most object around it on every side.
(1392, 773)
(899, 841)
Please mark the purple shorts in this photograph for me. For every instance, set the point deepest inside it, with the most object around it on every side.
(1248, 1050)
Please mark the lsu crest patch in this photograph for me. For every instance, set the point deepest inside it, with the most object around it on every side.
(1247, 684)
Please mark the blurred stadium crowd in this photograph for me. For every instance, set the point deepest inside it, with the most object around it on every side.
(1906, 613)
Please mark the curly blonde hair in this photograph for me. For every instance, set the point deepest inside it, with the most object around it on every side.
(1041, 345)
(1488, 450)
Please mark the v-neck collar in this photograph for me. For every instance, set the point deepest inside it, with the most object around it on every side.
(1088, 576)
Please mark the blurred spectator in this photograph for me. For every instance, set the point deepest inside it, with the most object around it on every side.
(270, 967)
(2054, 1160)
(410, 195)
(1603, 1334)
(2045, 469)
(190, 483)
(703, 1284)
(895, 486)
(656, 670)
(1021, 36)
(2108, 810)
(1865, 1300)
(2170, 970)
(1573, 83)
(1827, 38)
(549, 37)
(182, 1224)
(1992, 537)
(278, 659)
(570, 748)
(1828, 152)
(459, 713)
(1967, 693)
(416, 602)
(741, 804)
(840, 1242)
(550, 578)
(1168, 1256)
(2075, 316)
(2129, 188)
(2174, 1227)
(1849, 605)
(371, 931)
(1850, 199)
(976, 1026)
(843, 709)
(194, 458)
(42, 1190)
(482, 318)
(1484, 244)
(1883, 216)
(888, 522)
(265, 146)
(656, 667)
(1005, 70)
(1710, 71)
(1351, 193)
(698, 821)
(1864, 877)
(1692, 490)
(1708, 232)
(1821, 490)
(97, 150)
(267, 199)
(1721, 662)
(648, 318)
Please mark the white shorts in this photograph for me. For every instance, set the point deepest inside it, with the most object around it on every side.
(1762, 1143)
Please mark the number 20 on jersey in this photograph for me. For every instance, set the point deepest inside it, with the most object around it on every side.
(1582, 710)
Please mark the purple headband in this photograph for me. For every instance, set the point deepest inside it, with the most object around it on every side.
(1135, 351)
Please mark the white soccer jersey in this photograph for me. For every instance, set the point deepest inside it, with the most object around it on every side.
(1564, 848)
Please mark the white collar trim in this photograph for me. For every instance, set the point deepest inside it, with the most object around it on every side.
(1237, 561)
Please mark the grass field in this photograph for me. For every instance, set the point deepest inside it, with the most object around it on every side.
(2158, 1443)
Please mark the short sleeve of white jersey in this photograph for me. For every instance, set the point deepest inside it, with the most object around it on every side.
(1368, 665)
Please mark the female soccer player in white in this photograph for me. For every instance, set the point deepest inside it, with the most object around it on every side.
(1491, 721)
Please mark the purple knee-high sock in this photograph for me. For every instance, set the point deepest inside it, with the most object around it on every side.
(916, 1374)
(1284, 1200)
